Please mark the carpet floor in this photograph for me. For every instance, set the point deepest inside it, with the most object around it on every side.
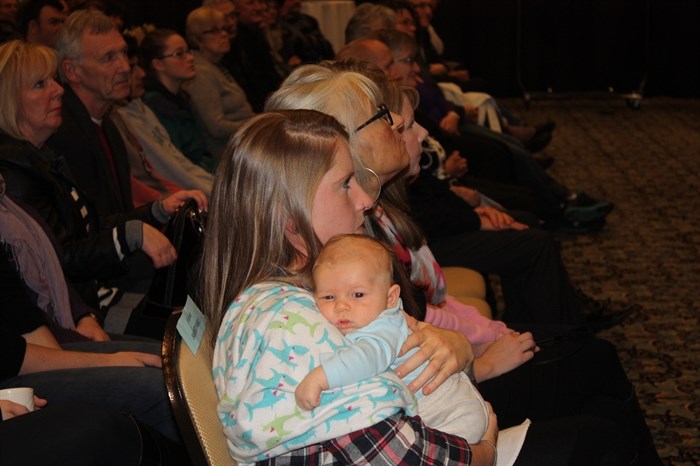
(647, 162)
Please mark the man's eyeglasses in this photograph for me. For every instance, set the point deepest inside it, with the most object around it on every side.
(178, 54)
(406, 60)
(383, 112)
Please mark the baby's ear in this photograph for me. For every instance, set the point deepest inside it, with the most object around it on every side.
(393, 295)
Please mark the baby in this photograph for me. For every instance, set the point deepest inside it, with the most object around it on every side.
(354, 290)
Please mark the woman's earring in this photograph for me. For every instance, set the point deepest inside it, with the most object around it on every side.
(371, 183)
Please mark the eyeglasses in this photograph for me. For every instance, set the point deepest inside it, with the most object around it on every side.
(179, 54)
(215, 30)
(383, 112)
(406, 60)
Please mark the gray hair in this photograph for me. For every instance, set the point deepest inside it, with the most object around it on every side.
(369, 17)
(68, 40)
(345, 95)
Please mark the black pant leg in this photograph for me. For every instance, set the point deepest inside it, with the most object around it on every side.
(535, 283)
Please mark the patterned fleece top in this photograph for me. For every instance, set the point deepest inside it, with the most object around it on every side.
(271, 336)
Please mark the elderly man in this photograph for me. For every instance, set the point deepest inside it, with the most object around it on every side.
(228, 9)
(94, 69)
(39, 21)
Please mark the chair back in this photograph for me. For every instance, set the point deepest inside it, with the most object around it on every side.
(190, 385)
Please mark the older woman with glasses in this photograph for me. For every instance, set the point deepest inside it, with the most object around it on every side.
(221, 105)
(169, 64)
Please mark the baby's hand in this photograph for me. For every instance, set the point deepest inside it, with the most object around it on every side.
(308, 392)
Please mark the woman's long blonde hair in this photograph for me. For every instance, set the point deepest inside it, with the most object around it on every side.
(265, 184)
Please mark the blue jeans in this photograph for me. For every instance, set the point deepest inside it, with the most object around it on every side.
(136, 390)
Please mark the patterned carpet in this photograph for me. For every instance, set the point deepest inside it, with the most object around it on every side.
(647, 162)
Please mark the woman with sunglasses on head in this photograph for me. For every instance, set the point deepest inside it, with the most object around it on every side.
(169, 64)
(219, 102)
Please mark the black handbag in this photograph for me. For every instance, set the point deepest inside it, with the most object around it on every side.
(171, 285)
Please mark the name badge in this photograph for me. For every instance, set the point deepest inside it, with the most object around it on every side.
(191, 325)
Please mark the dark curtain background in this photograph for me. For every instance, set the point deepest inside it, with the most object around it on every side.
(576, 45)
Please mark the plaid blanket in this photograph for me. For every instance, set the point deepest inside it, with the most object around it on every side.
(396, 441)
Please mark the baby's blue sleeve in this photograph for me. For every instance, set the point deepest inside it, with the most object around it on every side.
(373, 349)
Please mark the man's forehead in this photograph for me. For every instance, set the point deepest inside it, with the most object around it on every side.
(99, 44)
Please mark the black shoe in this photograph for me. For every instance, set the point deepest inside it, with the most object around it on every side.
(584, 208)
(539, 141)
(545, 161)
(567, 227)
(547, 126)
(602, 315)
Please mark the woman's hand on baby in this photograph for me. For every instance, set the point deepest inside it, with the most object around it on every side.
(448, 353)
(504, 355)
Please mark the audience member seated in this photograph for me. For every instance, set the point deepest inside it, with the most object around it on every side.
(39, 21)
(312, 149)
(228, 9)
(302, 39)
(8, 20)
(146, 184)
(169, 64)
(368, 18)
(151, 153)
(220, 104)
(121, 375)
(250, 58)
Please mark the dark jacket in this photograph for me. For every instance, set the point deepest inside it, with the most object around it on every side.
(252, 66)
(175, 113)
(439, 211)
(79, 142)
(40, 179)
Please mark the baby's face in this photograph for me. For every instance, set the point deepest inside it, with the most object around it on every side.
(351, 294)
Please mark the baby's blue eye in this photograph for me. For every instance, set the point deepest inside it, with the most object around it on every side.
(358, 294)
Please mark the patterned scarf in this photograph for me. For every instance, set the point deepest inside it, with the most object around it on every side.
(35, 259)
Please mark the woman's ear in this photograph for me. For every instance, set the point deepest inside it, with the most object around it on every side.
(157, 64)
(293, 236)
(393, 295)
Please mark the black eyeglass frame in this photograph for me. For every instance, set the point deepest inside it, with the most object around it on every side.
(180, 54)
(383, 112)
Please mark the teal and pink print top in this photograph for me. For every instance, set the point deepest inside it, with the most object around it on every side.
(271, 336)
